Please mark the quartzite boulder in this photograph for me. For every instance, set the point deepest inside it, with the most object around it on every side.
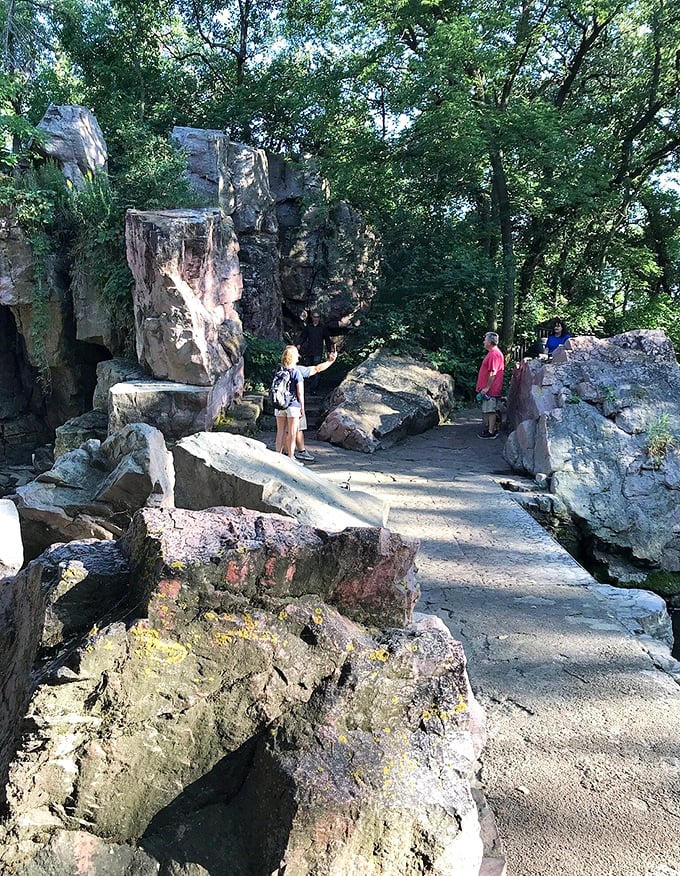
(223, 469)
(384, 400)
(109, 373)
(366, 572)
(278, 733)
(187, 281)
(92, 492)
(586, 421)
(11, 546)
(76, 431)
(175, 409)
(75, 141)
(67, 591)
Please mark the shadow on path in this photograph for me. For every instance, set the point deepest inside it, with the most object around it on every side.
(582, 766)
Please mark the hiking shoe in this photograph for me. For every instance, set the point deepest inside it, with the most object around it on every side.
(486, 434)
(304, 455)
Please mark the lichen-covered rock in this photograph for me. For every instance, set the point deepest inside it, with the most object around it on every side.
(81, 582)
(92, 492)
(365, 778)
(365, 572)
(243, 725)
(223, 469)
(384, 400)
(187, 280)
(72, 852)
(21, 619)
(74, 140)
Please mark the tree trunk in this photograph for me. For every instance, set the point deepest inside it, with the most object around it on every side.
(502, 197)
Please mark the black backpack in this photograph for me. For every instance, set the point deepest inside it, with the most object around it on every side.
(280, 393)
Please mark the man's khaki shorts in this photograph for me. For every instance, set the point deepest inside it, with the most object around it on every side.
(491, 406)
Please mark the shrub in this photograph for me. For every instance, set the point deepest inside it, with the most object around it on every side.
(660, 439)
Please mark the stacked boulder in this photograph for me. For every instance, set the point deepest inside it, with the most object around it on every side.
(188, 332)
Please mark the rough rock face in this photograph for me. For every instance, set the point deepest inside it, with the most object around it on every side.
(75, 141)
(21, 619)
(78, 430)
(187, 280)
(587, 421)
(11, 545)
(329, 256)
(224, 469)
(235, 178)
(367, 573)
(63, 593)
(385, 399)
(295, 251)
(92, 492)
(93, 321)
(46, 357)
(279, 733)
(175, 409)
(111, 372)
(207, 160)
(16, 263)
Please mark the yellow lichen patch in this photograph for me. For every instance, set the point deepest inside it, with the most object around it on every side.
(412, 648)
(177, 565)
(442, 714)
(210, 615)
(317, 617)
(151, 645)
(381, 654)
(249, 631)
(342, 738)
(461, 706)
(283, 615)
(349, 646)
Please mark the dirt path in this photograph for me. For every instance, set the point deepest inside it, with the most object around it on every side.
(582, 766)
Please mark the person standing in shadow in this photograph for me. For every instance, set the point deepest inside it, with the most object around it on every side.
(315, 337)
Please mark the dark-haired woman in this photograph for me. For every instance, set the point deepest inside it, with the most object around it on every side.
(558, 336)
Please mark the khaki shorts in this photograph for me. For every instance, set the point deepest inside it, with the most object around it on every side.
(293, 412)
(491, 406)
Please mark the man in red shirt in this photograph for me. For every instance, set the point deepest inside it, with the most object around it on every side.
(490, 384)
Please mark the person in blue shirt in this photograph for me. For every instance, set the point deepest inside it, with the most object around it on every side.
(558, 336)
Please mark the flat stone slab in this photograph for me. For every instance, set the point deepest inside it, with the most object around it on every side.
(222, 469)
(175, 409)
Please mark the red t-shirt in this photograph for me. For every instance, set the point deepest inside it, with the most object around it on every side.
(493, 361)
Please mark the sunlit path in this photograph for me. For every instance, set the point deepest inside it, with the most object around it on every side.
(582, 765)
